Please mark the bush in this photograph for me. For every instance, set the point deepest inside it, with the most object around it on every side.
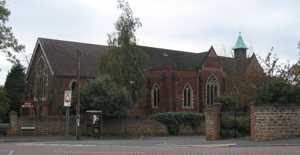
(174, 119)
(103, 94)
(278, 92)
(239, 124)
(228, 102)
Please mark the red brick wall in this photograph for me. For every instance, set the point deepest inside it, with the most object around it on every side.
(172, 83)
(114, 127)
(185, 77)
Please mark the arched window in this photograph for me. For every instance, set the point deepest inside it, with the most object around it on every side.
(155, 96)
(212, 89)
(41, 81)
(187, 96)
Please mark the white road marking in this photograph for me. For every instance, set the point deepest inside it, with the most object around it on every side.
(208, 145)
(99, 152)
(63, 145)
(11, 152)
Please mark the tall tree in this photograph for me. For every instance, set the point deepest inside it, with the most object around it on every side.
(125, 62)
(15, 86)
(4, 106)
(8, 43)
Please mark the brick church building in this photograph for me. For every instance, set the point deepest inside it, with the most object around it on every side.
(175, 80)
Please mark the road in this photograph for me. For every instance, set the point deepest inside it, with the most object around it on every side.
(38, 148)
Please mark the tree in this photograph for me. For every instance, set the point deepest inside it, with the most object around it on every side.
(105, 95)
(125, 62)
(281, 71)
(8, 43)
(4, 106)
(282, 84)
(15, 86)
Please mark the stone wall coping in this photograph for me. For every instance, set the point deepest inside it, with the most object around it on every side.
(278, 105)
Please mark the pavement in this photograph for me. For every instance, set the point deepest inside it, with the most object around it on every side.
(173, 141)
(182, 145)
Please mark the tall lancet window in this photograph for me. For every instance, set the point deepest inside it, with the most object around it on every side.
(187, 96)
(212, 89)
(41, 81)
(155, 94)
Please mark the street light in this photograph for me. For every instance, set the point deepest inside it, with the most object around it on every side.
(78, 97)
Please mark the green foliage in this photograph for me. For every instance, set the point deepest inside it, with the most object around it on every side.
(278, 91)
(103, 94)
(174, 119)
(125, 62)
(235, 125)
(228, 102)
(8, 42)
(4, 106)
(125, 26)
(15, 86)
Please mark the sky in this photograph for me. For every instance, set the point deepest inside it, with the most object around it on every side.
(189, 25)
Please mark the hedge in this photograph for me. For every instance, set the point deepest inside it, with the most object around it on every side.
(278, 92)
(174, 119)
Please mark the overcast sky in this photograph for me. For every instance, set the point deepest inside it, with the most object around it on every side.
(189, 25)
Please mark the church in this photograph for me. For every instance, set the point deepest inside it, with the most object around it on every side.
(176, 81)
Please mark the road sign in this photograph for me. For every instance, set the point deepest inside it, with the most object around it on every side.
(68, 98)
(27, 105)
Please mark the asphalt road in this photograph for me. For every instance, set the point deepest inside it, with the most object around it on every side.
(38, 148)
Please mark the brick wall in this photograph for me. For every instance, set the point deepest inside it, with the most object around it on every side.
(55, 125)
(134, 127)
(275, 122)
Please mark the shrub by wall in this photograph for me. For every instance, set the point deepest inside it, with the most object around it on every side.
(235, 126)
(175, 120)
(276, 92)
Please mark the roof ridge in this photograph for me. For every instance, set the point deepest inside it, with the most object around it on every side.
(70, 41)
(191, 54)
(142, 46)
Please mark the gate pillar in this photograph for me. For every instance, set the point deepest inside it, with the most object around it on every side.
(13, 122)
(212, 121)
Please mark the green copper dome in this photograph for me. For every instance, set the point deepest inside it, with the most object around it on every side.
(240, 44)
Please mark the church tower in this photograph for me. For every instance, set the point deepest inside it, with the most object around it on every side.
(240, 48)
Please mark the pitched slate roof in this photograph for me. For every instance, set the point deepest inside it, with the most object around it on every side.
(62, 57)
(231, 66)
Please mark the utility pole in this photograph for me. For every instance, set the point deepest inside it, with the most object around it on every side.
(78, 97)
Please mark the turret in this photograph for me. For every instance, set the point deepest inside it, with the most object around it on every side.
(240, 48)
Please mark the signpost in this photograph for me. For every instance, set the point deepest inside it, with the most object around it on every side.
(78, 97)
(67, 105)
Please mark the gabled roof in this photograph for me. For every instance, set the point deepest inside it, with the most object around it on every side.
(62, 55)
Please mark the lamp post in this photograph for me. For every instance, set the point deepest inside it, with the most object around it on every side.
(78, 97)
